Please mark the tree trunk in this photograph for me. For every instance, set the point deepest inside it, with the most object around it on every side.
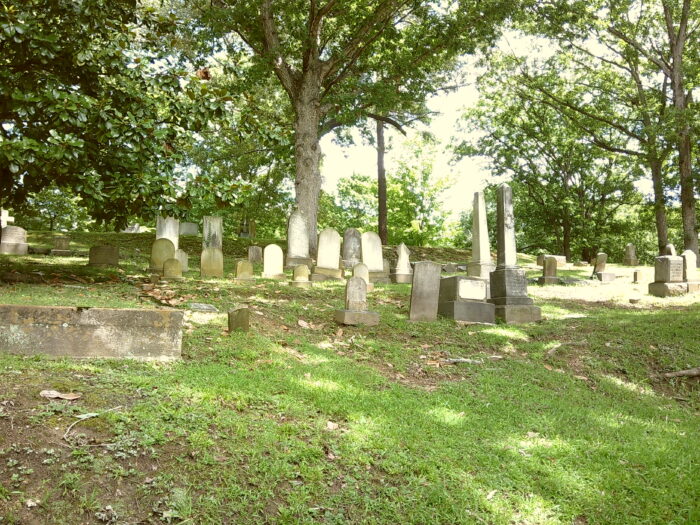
(307, 153)
(659, 204)
(381, 185)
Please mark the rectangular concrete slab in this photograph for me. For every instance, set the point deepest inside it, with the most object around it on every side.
(68, 331)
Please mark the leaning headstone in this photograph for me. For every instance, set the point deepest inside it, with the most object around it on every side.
(211, 263)
(403, 273)
(668, 277)
(549, 271)
(361, 270)
(464, 299)
(690, 270)
(213, 233)
(630, 258)
(481, 264)
(244, 272)
(328, 260)
(508, 281)
(601, 260)
(297, 241)
(182, 256)
(172, 269)
(61, 246)
(168, 228)
(14, 241)
(670, 249)
(161, 251)
(425, 291)
(106, 255)
(273, 262)
(372, 256)
(239, 319)
(189, 228)
(356, 312)
(5, 218)
(255, 254)
(352, 247)
(300, 276)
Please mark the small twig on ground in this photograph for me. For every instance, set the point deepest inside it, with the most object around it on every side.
(85, 417)
(690, 372)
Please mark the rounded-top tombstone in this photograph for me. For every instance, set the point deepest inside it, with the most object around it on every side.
(329, 249)
(300, 278)
(172, 269)
(273, 262)
(161, 251)
(352, 247)
(372, 252)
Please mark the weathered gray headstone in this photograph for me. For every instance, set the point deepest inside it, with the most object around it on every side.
(356, 312)
(328, 259)
(668, 277)
(211, 263)
(670, 249)
(373, 257)
(599, 272)
(464, 299)
(352, 247)
(690, 270)
(549, 271)
(239, 319)
(61, 243)
(172, 269)
(244, 271)
(161, 250)
(255, 254)
(184, 259)
(403, 273)
(68, 331)
(212, 233)
(630, 258)
(273, 262)
(5, 218)
(508, 281)
(425, 291)
(168, 228)
(300, 276)
(561, 260)
(361, 270)
(14, 241)
(189, 228)
(297, 240)
(481, 264)
(105, 255)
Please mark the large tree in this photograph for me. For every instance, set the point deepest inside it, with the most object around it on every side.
(340, 59)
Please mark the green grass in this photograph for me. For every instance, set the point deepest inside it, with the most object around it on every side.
(286, 424)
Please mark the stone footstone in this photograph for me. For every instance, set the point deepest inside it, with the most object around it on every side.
(244, 272)
(104, 256)
(211, 263)
(239, 319)
(300, 277)
(360, 270)
(425, 291)
(356, 312)
(172, 270)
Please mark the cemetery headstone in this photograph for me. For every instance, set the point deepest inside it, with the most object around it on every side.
(560, 259)
(273, 262)
(300, 276)
(189, 228)
(464, 299)
(352, 247)
(244, 272)
(168, 228)
(481, 264)
(172, 269)
(630, 258)
(601, 261)
(297, 241)
(328, 260)
(161, 250)
(61, 246)
(105, 255)
(372, 256)
(211, 263)
(549, 271)
(361, 270)
(184, 259)
(670, 249)
(239, 319)
(5, 219)
(356, 312)
(403, 273)
(212, 233)
(425, 291)
(14, 241)
(668, 277)
(690, 270)
(255, 254)
(508, 281)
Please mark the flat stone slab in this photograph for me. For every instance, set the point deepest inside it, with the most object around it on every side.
(202, 307)
(69, 331)
(515, 314)
(351, 317)
(668, 289)
(468, 311)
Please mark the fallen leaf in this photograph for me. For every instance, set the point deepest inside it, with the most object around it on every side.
(303, 323)
(55, 394)
(332, 426)
(548, 367)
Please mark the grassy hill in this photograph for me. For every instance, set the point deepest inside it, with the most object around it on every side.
(303, 421)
